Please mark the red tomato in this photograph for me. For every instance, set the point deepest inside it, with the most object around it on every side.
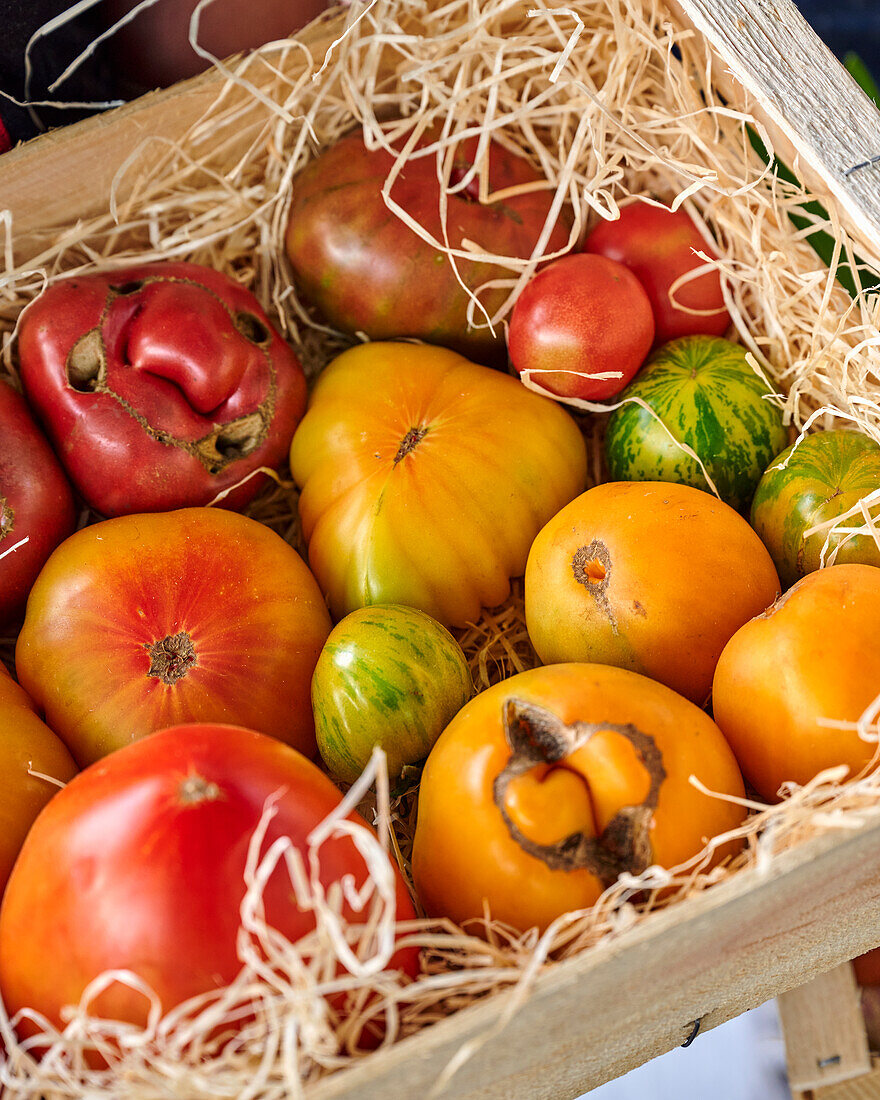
(36, 503)
(159, 385)
(148, 621)
(658, 247)
(139, 864)
(580, 318)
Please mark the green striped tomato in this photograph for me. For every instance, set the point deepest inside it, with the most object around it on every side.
(821, 477)
(388, 675)
(706, 394)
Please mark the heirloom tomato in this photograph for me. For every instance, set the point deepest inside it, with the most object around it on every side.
(36, 503)
(660, 248)
(160, 385)
(581, 328)
(819, 478)
(139, 865)
(388, 675)
(368, 271)
(31, 757)
(706, 396)
(650, 576)
(146, 621)
(425, 478)
(549, 785)
(792, 684)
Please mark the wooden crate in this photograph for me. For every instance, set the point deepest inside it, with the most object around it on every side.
(755, 936)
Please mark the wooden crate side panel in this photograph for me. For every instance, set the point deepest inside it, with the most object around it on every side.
(819, 119)
(824, 1030)
(596, 1016)
(866, 1087)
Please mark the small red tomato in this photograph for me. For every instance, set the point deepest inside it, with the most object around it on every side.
(160, 386)
(36, 503)
(659, 247)
(581, 328)
(139, 864)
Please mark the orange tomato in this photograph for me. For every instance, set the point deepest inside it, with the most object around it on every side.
(29, 751)
(145, 621)
(787, 678)
(650, 576)
(547, 786)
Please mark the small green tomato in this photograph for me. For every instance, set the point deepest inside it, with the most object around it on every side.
(388, 675)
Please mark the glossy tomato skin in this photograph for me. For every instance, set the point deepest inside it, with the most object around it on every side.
(425, 478)
(160, 386)
(577, 319)
(146, 621)
(659, 247)
(139, 864)
(812, 657)
(649, 576)
(388, 675)
(699, 391)
(811, 482)
(367, 271)
(36, 502)
(31, 756)
(538, 778)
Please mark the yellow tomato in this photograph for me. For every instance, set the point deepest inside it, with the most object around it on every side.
(425, 478)
(547, 786)
(29, 753)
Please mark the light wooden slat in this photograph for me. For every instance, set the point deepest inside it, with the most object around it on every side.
(67, 174)
(596, 1016)
(866, 1087)
(820, 121)
(825, 1040)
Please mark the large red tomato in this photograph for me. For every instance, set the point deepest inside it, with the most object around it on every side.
(159, 385)
(367, 271)
(660, 247)
(139, 864)
(581, 328)
(199, 615)
(36, 504)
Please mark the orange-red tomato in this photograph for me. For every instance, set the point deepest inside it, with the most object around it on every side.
(581, 327)
(31, 756)
(547, 786)
(650, 576)
(660, 247)
(145, 621)
(139, 864)
(788, 679)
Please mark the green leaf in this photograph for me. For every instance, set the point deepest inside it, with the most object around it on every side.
(858, 70)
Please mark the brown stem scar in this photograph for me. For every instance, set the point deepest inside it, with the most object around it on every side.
(87, 362)
(591, 567)
(195, 789)
(171, 658)
(537, 736)
(7, 518)
(410, 441)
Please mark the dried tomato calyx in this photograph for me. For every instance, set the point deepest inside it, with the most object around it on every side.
(171, 658)
(7, 518)
(536, 736)
(410, 441)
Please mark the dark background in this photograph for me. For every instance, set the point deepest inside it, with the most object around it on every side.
(844, 24)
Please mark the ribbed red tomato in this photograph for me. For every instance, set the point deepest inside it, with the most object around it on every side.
(139, 864)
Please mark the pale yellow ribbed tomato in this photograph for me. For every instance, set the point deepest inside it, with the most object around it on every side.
(425, 478)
